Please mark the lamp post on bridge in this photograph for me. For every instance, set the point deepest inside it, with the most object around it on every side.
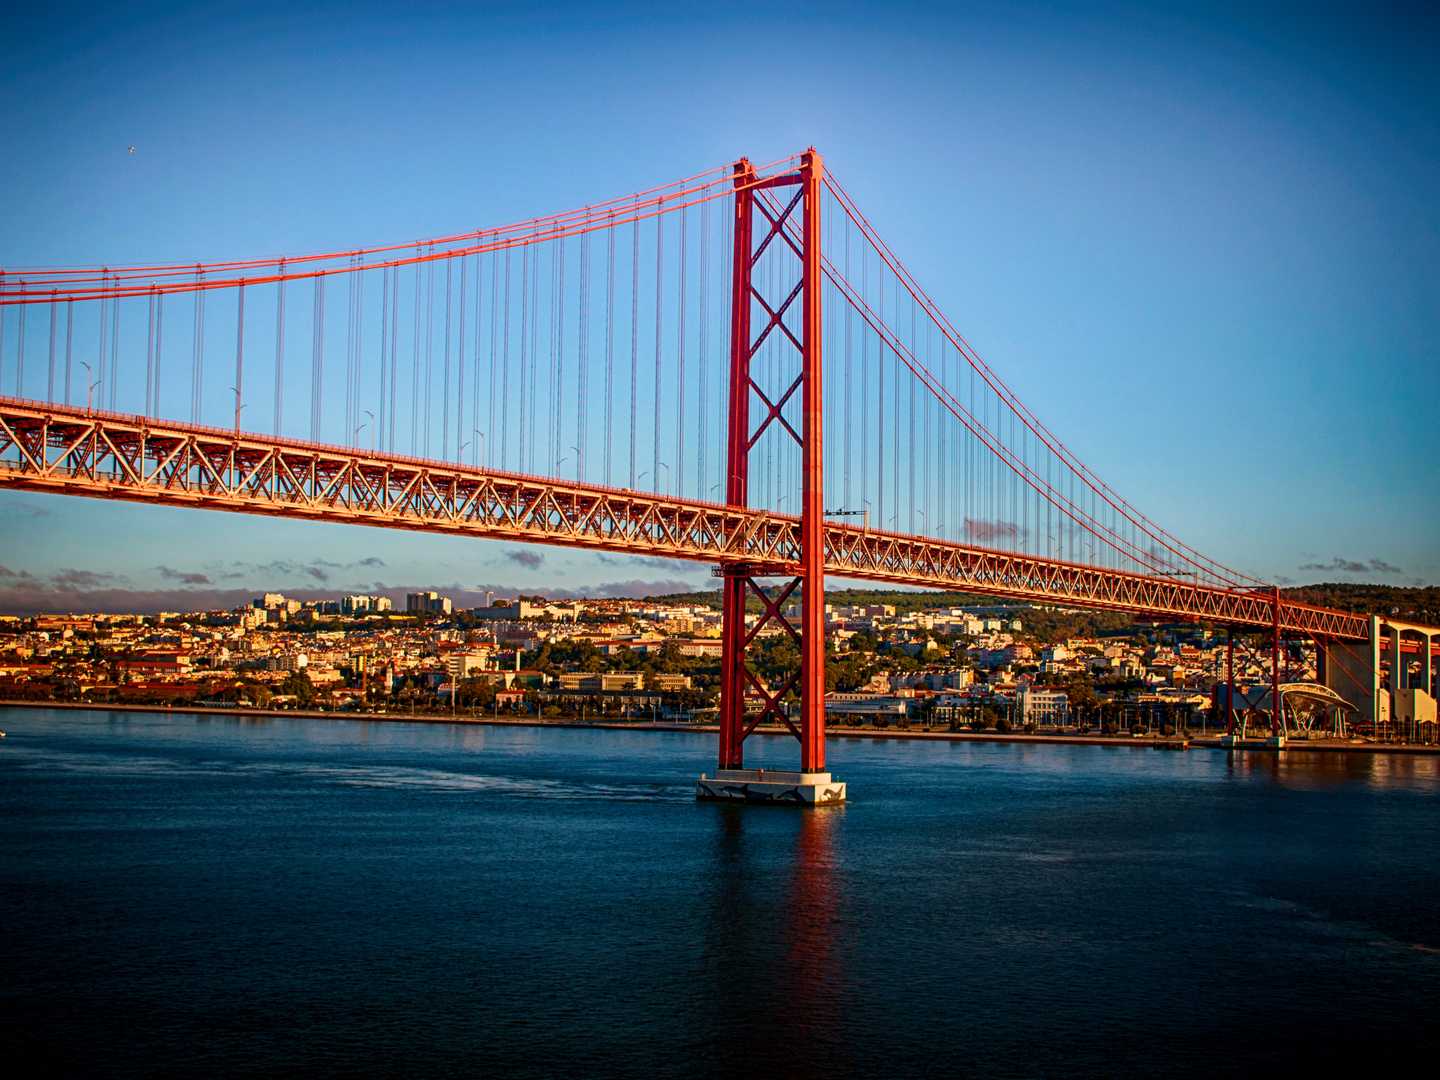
(236, 391)
(90, 389)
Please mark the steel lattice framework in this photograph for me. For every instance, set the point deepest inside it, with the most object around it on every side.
(71, 451)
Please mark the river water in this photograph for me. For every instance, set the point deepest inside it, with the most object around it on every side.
(198, 896)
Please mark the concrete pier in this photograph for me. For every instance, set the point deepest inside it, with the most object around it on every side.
(771, 786)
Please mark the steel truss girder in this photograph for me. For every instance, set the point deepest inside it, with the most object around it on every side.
(61, 450)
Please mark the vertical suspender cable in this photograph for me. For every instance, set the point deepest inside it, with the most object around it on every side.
(609, 345)
(558, 381)
(945, 442)
(394, 347)
(505, 370)
(460, 360)
(680, 359)
(524, 344)
(280, 348)
(659, 318)
(445, 366)
(475, 361)
(415, 368)
(880, 407)
(317, 356)
(582, 359)
(50, 385)
(534, 365)
(494, 292)
(381, 421)
(114, 351)
(69, 337)
(149, 353)
(429, 345)
(99, 373)
(359, 274)
(930, 509)
(552, 440)
(239, 351)
(702, 411)
(197, 374)
(348, 416)
(894, 427)
(910, 449)
(634, 335)
(864, 380)
(160, 337)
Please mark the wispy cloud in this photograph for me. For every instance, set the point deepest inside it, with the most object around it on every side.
(182, 576)
(24, 509)
(316, 569)
(529, 559)
(659, 562)
(1352, 566)
(83, 580)
(984, 532)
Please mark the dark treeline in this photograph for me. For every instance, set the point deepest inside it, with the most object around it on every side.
(1420, 604)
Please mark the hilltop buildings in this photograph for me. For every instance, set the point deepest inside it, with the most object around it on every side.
(935, 665)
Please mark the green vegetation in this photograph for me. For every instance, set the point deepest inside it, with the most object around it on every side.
(1051, 626)
(902, 601)
(1423, 605)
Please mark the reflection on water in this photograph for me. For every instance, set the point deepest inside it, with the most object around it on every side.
(815, 1024)
(1321, 767)
(778, 981)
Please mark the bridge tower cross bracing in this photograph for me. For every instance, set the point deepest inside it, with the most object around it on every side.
(737, 682)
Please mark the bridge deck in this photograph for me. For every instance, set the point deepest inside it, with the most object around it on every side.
(72, 451)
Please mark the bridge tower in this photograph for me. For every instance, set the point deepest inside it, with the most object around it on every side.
(760, 224)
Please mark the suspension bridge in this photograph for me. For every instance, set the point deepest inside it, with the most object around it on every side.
(733, 368)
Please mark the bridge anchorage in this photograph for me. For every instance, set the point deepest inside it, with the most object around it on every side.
(832, 345)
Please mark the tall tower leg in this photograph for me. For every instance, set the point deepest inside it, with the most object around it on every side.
(812, 519)
(737, 477)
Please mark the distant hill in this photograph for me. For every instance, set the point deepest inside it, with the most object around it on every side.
(1043, 625)
(901, 601)
(1421, 605)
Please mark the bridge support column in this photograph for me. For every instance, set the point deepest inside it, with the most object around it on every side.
(1230, 682)
(1397, 661)
(1277, 710)
(746, 700)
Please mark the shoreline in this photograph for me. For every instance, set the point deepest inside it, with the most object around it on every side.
(1203, 742)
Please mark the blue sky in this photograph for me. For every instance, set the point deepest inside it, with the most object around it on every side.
(1202, 243)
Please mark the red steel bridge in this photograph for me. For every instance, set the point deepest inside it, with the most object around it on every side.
(744, 333)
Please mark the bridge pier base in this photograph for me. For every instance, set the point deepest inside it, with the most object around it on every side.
(770, 786)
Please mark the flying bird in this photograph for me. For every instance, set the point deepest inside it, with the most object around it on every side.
(132, 149)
